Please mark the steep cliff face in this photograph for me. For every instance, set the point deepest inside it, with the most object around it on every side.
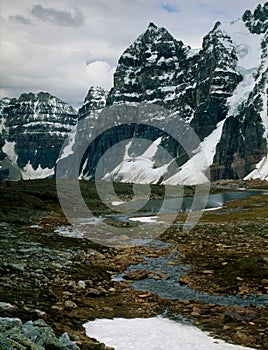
(244, 136)
(3, 103)
(35, 127)
(88, 119)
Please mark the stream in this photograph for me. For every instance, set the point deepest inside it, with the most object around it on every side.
(170, 289)
(159, 332)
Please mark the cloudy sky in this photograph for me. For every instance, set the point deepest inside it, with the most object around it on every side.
(65, 46)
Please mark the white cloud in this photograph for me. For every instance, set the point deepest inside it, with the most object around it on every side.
(64, 46)
(64, 18)
(100, 73)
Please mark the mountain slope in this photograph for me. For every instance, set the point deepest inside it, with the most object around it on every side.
(35, 127)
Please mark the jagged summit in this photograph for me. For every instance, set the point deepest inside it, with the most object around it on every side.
(41, 97)
(257, 22)
(96, 95)
(153, 32)
(146, 66)
(152, 26)
(94, 101)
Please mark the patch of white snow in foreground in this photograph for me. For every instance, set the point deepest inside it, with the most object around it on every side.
(156, 333)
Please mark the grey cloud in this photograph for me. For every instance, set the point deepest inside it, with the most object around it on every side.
(59, 17)
(20, 19)
(109, 27)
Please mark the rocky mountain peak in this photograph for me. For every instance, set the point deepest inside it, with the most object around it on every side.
(31, 97)
(148, 69)
(34, 127)
(94, 101)
(41, 101)
(27, 97)
(154, 33)
(220, 90)
(257, 22)
(152, 26)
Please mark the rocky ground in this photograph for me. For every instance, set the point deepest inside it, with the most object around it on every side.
(65, 281)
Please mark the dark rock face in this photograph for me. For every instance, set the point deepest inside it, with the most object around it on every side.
(149, 70)
(35, 127)
(94, 101)
(256, 22)
(244, 137)
(3, 103)
(216, 80)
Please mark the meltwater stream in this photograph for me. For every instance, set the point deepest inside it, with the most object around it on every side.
(170, 289)
(160, 333)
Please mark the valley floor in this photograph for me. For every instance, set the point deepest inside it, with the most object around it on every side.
(68, 281)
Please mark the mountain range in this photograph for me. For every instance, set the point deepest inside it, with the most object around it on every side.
(219, 91)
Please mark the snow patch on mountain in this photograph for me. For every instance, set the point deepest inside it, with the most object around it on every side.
(29, 173)
(9, 150)
(261, 171)
(247, 45)
(241, 93)
(139, 169)
(195, 170)
(68, 149)
(248, 49)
